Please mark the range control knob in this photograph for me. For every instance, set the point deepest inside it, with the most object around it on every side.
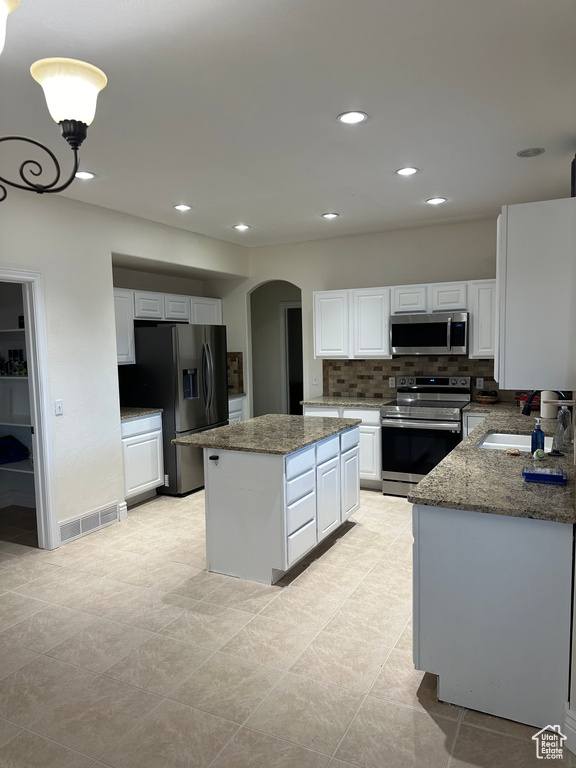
(463, 382)
(402, 381)
(411, 382)
(453, 382)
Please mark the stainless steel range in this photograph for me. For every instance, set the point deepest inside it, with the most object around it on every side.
(420, 428)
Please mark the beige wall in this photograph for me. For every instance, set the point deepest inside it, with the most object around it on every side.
(148, 281)
(72, 244)
(266, 347)
(430, 254)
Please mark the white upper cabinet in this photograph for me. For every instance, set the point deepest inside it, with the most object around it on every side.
(536, 282)
(482, 298)
(205, 311)
(409, 298)
(124, 319)
(370, 323)
(148, 305)
(332, 324)
(176, 307)
(448, 297)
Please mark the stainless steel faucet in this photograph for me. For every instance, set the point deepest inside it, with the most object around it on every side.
(527, 410)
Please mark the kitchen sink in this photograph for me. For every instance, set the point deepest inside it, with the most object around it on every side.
(501, 442)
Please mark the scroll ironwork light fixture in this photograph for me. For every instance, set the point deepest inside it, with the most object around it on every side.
(71, 88)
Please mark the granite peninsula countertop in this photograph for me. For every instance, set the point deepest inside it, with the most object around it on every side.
(348, 402)
(135, 413)
(484, 480)
(273, 433)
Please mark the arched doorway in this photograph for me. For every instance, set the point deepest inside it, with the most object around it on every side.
(276, 330)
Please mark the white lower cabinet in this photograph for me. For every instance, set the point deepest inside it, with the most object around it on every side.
(370, 453)
(236, 409)
(328, 496)
(471, 421)
(142, 454)
(265, 512)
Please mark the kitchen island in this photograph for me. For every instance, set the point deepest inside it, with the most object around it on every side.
(276, 486)
(493, 565)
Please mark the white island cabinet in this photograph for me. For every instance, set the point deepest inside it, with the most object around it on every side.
(269, 502)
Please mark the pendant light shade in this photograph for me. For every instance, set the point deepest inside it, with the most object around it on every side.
(6, 7)
(71, 87)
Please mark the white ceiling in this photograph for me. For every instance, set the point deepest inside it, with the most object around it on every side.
(231, 106)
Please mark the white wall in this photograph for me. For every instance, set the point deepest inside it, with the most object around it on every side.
(72, 244)
(430, 254)
(265, 327)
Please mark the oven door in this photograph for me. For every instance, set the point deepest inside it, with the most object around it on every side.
(412, 448)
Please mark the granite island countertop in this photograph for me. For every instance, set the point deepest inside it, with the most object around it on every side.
(135, 413)
(485, 480)
(273, 433)
(348, 402)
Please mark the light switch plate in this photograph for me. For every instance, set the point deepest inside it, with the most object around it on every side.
(58, 407)
(315, 381)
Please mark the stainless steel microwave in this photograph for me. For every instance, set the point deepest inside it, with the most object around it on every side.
(437, 334)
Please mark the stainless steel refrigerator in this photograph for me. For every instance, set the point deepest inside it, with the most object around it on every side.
(180, 368)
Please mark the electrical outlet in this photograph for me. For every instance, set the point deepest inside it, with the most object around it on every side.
(479, 383)
(58, 407)
(391, 381)
(166, 480)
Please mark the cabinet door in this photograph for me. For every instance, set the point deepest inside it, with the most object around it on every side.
(471, 421)
(482, 318)
(235, 409)
(536, 285)
(124, 318)
(371, 323)
(205, 311)
(409, 298)
(328, 496)
(446, 297)
(148, 305)
(143, 463)
(370, 453)
(176, 307)
(331, 324)
(349, 468)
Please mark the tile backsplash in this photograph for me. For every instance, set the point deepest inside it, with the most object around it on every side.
(369, 378)
(235, 373)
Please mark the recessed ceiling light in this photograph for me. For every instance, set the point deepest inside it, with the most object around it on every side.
(84, 175)
(436, 200)
(330, 215)
(183, 207)
(532, 152)
(352, 118)
(241, 227)
(407, 171)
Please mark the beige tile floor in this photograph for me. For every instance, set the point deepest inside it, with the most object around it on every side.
(121, 650)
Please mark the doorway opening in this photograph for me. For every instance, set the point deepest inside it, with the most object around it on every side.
(276, 344)
(27, 508)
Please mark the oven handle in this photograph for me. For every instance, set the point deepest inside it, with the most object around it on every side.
(453, 426)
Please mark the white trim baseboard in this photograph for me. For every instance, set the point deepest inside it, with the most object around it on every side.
(570, 730)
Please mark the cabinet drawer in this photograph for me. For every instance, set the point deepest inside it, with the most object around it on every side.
(299, 462)
(301, 542)
(350, 438)
(130, 427)
(301, 512)
(332, 413)
(368, 415)
(327, 449)
(300, 486)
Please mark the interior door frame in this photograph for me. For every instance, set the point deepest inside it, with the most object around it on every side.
(39, 389)
(284, 368)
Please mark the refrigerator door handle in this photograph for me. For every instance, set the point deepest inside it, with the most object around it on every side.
(205, 373)
(210, 376)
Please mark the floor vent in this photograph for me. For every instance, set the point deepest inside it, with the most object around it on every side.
(88, 523)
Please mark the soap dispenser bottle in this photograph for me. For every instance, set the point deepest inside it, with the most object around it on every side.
(537, 437)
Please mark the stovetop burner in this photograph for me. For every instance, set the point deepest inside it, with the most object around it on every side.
(429, 397)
